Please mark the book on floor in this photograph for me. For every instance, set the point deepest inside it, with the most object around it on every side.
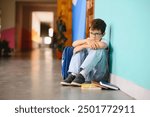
(108, 85)
(90, 86)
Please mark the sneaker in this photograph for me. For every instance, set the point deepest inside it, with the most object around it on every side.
(78, 80)
(68, 80)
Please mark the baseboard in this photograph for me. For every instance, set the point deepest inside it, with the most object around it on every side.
(130, 88)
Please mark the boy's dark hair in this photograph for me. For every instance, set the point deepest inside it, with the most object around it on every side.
(98, 24)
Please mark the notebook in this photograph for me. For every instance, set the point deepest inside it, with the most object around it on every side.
(108, 85)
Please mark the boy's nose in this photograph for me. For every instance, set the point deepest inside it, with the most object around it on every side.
(94, 36)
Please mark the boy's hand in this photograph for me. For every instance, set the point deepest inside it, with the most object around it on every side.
(93, 43)
(77, 49)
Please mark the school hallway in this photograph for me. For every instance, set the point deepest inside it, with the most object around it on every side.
(36, 75)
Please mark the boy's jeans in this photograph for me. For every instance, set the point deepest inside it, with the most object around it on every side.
(94, 64)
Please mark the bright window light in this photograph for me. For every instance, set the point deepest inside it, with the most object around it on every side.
(50, 32)
(47, 40)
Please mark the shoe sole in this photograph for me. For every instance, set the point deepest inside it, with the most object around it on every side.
(65, 84)
(75, 84)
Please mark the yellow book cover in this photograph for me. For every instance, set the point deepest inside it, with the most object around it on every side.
(92, 85)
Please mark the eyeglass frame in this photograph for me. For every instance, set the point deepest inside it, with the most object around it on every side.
(95, 34)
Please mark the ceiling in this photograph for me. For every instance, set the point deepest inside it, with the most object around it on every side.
(44, 16)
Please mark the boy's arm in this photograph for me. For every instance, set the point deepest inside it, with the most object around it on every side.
(80, 44)
(97, 44)
(88, 43)
(100, 44)
(80, 47)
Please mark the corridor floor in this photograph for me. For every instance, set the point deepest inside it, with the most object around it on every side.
(36, 75)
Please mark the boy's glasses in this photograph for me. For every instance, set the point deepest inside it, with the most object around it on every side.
(95, 34)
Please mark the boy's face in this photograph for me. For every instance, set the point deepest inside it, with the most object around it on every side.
(96, 34)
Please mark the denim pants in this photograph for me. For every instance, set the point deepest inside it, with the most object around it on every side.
(94, 64)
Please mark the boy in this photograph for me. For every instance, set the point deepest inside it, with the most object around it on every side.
(89, 61)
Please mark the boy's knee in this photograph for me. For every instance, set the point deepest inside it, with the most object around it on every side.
(98, 51)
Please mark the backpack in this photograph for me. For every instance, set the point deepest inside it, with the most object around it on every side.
(66, 57)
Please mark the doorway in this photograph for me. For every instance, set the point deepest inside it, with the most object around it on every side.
(42, 28)
(24, 12)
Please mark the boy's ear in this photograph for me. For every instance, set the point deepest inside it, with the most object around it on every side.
(103, 34)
